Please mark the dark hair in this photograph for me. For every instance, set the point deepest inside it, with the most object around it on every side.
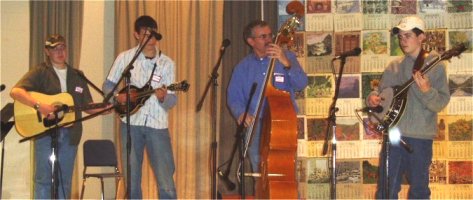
(145, 21)
(248, 32)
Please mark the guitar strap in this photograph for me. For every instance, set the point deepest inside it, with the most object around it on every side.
(419, 63)
(148, 84)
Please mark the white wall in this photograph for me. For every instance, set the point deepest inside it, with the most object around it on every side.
(14, 63)
(96, 58)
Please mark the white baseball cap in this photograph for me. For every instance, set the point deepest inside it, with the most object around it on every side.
(409, 23)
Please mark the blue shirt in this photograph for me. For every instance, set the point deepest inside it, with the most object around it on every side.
(253, 70)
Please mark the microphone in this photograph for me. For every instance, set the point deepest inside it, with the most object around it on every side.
(229, 184)
(377, 109)
(225, 44)
(355, 52)
(156, 35)
(2, 87)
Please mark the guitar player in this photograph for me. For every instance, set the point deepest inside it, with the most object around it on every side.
(149, 125)
(425, 98)
(53, 77)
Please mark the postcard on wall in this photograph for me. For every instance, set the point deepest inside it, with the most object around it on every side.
(404, 7)
(348, 171)
(369, 83)
(459, 172)
(438, 172)
(370, 172)
(461, 36)
(436, 40)
(283, 15)
(347, 6)
(318, 170)
(320, 86)
(316, 128)
(345, 42)
(319, 6)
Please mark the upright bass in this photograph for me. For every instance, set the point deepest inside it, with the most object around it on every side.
(278, 147)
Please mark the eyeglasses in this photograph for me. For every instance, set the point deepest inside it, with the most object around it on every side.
(58, 48)
(264, 36)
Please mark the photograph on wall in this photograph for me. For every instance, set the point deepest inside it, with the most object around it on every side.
(403, 7)
(348, 171)
(435, 41)
(461, 85)
(316, 129)
(320, 86)
(319, 44)
(319, 6)
(317, 170)
(348, 129)
(375, 42)
(459, 6)
(460, 129)
(375, 7)
(347, 6)
(283, 15)
(459, 172)
(432, 6)
(369, 83)
(349, 86)
(370, 171)
(464, 37)
(438, 172)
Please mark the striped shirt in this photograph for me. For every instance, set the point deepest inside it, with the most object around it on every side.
(153, 113)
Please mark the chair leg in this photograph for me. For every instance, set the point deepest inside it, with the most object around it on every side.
(103, 190)
(83, 188)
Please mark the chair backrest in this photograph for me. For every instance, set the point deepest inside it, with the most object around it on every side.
(99, 153)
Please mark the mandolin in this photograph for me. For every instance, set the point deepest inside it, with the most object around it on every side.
(138, 96)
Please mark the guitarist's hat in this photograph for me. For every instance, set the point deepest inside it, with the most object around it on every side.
(409, 23)
(54, 40)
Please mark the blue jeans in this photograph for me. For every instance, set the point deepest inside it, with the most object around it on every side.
(414, 165)
(158, 146)
(42, 165)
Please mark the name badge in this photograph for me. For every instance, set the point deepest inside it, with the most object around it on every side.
(156, 78)
(279, 79)
(79, 89)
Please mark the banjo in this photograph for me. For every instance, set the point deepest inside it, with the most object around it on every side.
(395, 98)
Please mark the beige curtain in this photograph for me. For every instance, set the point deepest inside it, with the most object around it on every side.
(56, 17)
(192, 34)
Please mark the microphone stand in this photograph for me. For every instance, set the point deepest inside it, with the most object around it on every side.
(126, 75)
(331, 119)
(240, 138)
(213, 147)
(386, 152)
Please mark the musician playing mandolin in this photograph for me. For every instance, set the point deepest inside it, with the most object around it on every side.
(50, 78)
(149, 125)
(425, 98)
(288, 76)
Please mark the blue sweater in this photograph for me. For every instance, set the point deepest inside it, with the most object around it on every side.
(252, 70)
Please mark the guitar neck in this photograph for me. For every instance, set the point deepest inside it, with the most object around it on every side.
(423, 71)
(87, 107)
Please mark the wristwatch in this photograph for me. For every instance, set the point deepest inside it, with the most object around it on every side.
(36, 106)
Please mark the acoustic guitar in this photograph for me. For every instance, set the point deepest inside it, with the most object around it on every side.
(28, 122)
